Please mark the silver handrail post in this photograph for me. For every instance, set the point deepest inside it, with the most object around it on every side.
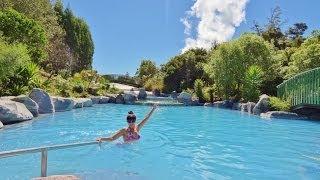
(44, 162)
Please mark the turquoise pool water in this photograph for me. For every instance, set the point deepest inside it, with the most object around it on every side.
(177, 143)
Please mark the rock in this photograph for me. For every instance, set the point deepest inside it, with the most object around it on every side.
(100, 99)
(112, 98)
(119, 99)
(43, 100)
(7, 97)
(129, 98)
(185, 98)
(208, 104)
(11, 112)
(63, 104)
(104, 100)
(247, 107)
(250, 106)
(236, 106)
(82, 102)
(223, 104)
(281, 115)
(95, 99)
(1, 125)
(174, 95)
(30, 104)
(262, 106)
(156, 92)
(142, 94)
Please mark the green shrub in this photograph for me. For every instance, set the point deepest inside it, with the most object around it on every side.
(17, 73)
(209, 94)
(276, 104)
(78, 88)
(198, 89)
(252, 83)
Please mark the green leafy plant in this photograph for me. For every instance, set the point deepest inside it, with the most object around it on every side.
(198, 89)
(252, 83)
(277, 104)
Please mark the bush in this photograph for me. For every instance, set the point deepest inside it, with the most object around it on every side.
(155, 83)
(276, 104)
(17, 73)
(252, 83)
(209, 94)
(78, 88)
(198, 89)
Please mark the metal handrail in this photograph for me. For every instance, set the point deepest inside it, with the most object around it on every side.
(44, 152)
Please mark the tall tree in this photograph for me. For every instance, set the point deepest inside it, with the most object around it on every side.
(78, 38)
(16, 27)
(182, 70)
(146, 70)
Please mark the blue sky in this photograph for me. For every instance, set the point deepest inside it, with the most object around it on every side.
(126, 31)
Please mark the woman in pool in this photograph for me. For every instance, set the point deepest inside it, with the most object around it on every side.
(130, 133)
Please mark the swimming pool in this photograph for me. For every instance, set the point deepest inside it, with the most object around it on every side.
(177, 143)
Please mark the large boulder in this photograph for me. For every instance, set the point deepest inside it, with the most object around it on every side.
(174, 95)
(100, 99)
(119, 99)
(185, 98)
(142, 94)
(63, 104)
(112, 98)
(43, 100)
(156, 92)
(30, 104)
(1, 125)
(129, 98)
(247, 107)
(236, 106)
(223, 104)
(82, 102)
(11, 112)
(262, 106)
(281, 115)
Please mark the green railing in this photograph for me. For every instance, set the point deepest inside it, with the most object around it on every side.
(302, 89)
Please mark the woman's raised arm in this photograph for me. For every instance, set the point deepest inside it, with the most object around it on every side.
(140, 125)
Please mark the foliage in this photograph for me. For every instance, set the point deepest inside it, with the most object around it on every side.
(198, 89)
(155, 82)
(16, 27)
(182, 70)
(277, 104)
(146, 70)
(252, 83)
(229, 62)
(17, 73)
(78, 38)
(306, 57)
(209, 94)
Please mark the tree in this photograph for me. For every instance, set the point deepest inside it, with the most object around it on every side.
(146, 70)
(18, 28)
(78, 38)
(230, 61)
(306, 57)
(181, 71)
(296, 32)
(272, 32)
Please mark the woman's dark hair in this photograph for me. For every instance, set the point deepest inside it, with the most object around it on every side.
(131, 117)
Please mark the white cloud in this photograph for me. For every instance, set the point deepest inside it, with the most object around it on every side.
(217, 20)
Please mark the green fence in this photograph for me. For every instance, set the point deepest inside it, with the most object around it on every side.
(304, 88)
